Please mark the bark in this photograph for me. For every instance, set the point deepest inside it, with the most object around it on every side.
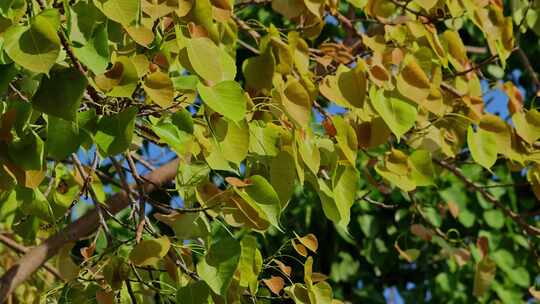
(37, 256)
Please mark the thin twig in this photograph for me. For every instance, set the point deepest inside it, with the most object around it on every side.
(140, 188)
(530, 70)
(87, 177)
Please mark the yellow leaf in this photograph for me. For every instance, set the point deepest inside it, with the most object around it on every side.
(484, 275)
(347, 88)
(159, 88)
(346, 138)
(483, 146)
(149, 252)
(412, 82)
(296, 102)
(527, 125)
(426, 4)
(140, 34)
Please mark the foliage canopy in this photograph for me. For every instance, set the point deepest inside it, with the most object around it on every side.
(269, 151)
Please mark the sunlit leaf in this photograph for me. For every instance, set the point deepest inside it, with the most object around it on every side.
(149, 252)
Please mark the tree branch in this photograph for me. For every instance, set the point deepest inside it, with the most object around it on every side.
(13, 245)
(530, 70)
(37, 256)
(531, 230)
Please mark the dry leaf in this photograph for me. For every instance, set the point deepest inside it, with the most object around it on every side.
(299, 248)
(310, 241)
(275, 284)
(422, 232)
(284, 268)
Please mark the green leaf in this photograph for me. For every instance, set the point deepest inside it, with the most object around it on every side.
(209, 61)
(184, 225)
(483, 146)
(33, 202)
(60, 95)
(95, 52)
(180, 141)
(321, 293)
(149, 252)
(35, 48)
(233, 140)
(346, 139)
(494, 218)
(368, 224)
(183, 120)
(261, 194)
(250, 264)
(62, 138)
(7, 73)
(309, 152)
(283, 176)
(227, 98)
(185, 82)
(194, 293)
(345, 186)
(27, 152)
(121, 11)
(219, 264)
(259, 70)
(422, 171)
(189, 176)
(263, 138)
(115, 132)
(398, 114)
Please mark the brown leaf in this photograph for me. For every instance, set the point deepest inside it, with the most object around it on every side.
(275, 284)
(87, 252)
(462, 256)
(171, 268)
(453, 208)
(284, 268)
(535, 293)
(197, 31)
(409, 255)
(483, 245)
(310, 241)
(422, 232)
(329, 127)
(6, 123)
(515, 99)
(299, 248)
(105, 297)
(236, 182)
(161, 60)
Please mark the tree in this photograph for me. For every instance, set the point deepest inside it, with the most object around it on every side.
(256, 151)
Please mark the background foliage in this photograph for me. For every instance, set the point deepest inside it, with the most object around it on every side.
(322, 151)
